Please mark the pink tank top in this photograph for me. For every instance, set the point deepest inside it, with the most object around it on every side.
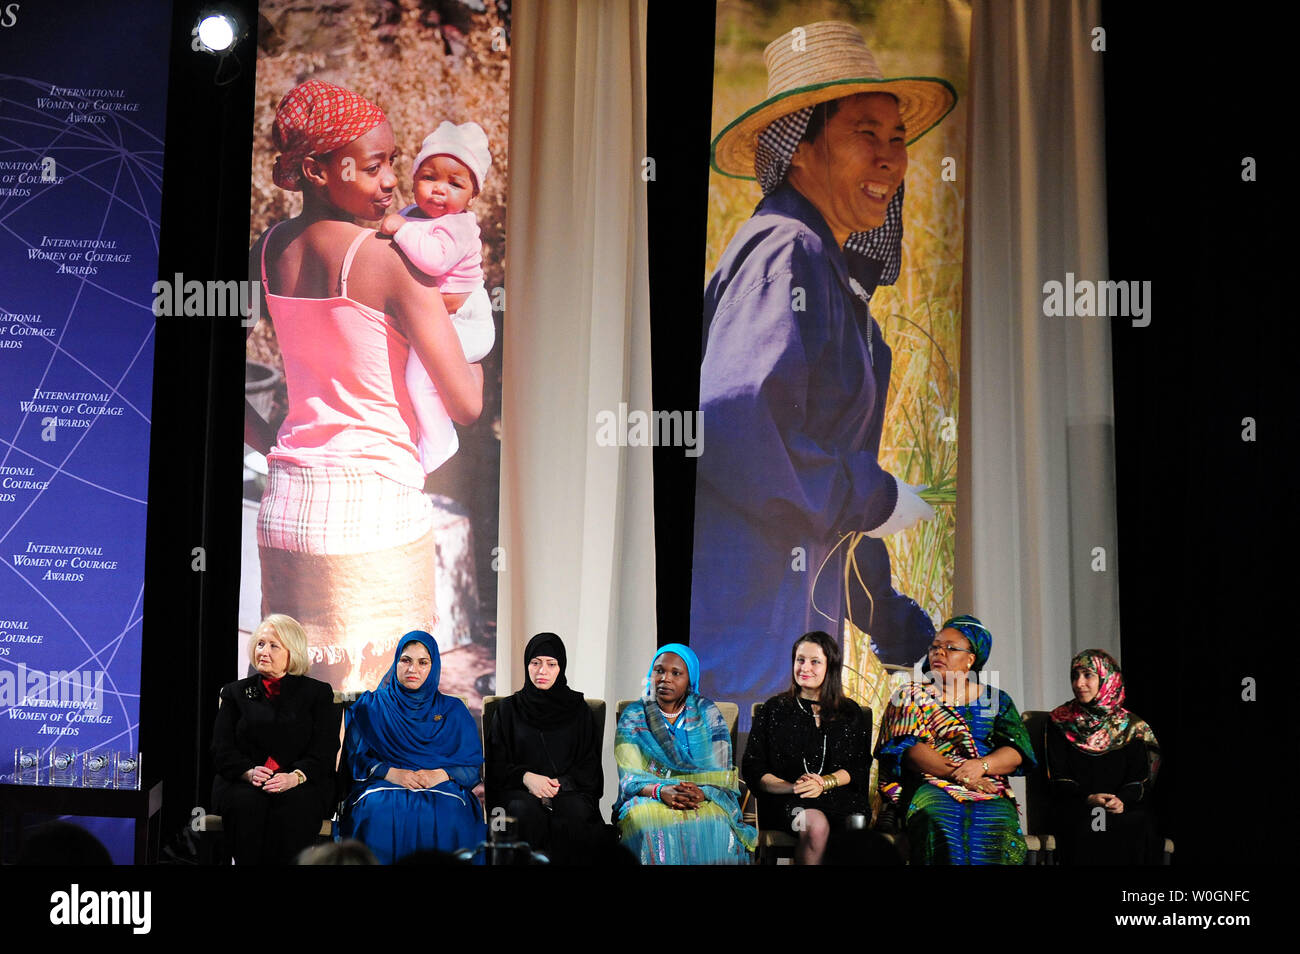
(345, 368)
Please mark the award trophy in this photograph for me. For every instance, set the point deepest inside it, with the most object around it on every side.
(126, 773)
(63, 767)
(27, 766)
(97, 769)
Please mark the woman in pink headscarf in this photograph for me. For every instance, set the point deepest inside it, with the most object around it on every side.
(345, 533)
(1102, 761)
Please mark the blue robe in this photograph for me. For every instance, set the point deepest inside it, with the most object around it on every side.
(793, 403)
(415, 729)
(394, 821)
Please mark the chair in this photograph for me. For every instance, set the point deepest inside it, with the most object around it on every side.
(1038, 798)
(212, 847)
(1038, 826)
(773, 843)
(597, 707)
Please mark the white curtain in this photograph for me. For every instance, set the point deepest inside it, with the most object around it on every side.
(1037, 484)
(577, 518)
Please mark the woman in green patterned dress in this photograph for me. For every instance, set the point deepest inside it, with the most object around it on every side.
(946, 748)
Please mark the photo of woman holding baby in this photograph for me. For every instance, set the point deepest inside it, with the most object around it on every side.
(372, 427)
(345, 532)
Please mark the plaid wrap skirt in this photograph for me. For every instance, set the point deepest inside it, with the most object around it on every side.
(350, 555)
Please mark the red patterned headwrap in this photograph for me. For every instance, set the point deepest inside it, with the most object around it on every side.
(1104, 724)
(315, 118)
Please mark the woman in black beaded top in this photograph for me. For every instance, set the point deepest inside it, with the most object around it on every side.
(809, 751)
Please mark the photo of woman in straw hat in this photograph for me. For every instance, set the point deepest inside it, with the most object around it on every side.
(796, 371)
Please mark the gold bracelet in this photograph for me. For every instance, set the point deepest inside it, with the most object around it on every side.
(829, 782)
(302, 779)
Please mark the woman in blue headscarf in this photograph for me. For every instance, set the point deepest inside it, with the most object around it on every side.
(412, 756)
(678, 798)
(946, 748)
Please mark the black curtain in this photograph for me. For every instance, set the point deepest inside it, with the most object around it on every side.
(190, 615)
(1202, 512)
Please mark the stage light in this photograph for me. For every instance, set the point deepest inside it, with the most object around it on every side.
(217, 32)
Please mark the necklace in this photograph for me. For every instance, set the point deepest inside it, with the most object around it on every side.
(821, 765)
(671, 720)
(959, 694)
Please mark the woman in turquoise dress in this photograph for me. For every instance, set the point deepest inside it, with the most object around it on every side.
(946, 748)
(678, 796)
(412, 756)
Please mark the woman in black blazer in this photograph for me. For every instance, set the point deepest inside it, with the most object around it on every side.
(274, 749)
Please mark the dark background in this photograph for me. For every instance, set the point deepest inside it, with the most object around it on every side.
(1202, 514)
(195, 471)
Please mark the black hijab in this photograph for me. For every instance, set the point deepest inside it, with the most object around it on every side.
(548, 708)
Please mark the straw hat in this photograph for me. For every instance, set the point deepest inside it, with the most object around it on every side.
(826, 61)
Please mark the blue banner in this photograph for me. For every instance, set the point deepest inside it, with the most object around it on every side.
(82, 112)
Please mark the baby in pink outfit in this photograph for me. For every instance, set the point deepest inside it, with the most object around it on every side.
(442, 240)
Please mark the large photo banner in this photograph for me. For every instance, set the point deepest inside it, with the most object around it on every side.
(81, 141)
(825, 499)
(372, 439)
